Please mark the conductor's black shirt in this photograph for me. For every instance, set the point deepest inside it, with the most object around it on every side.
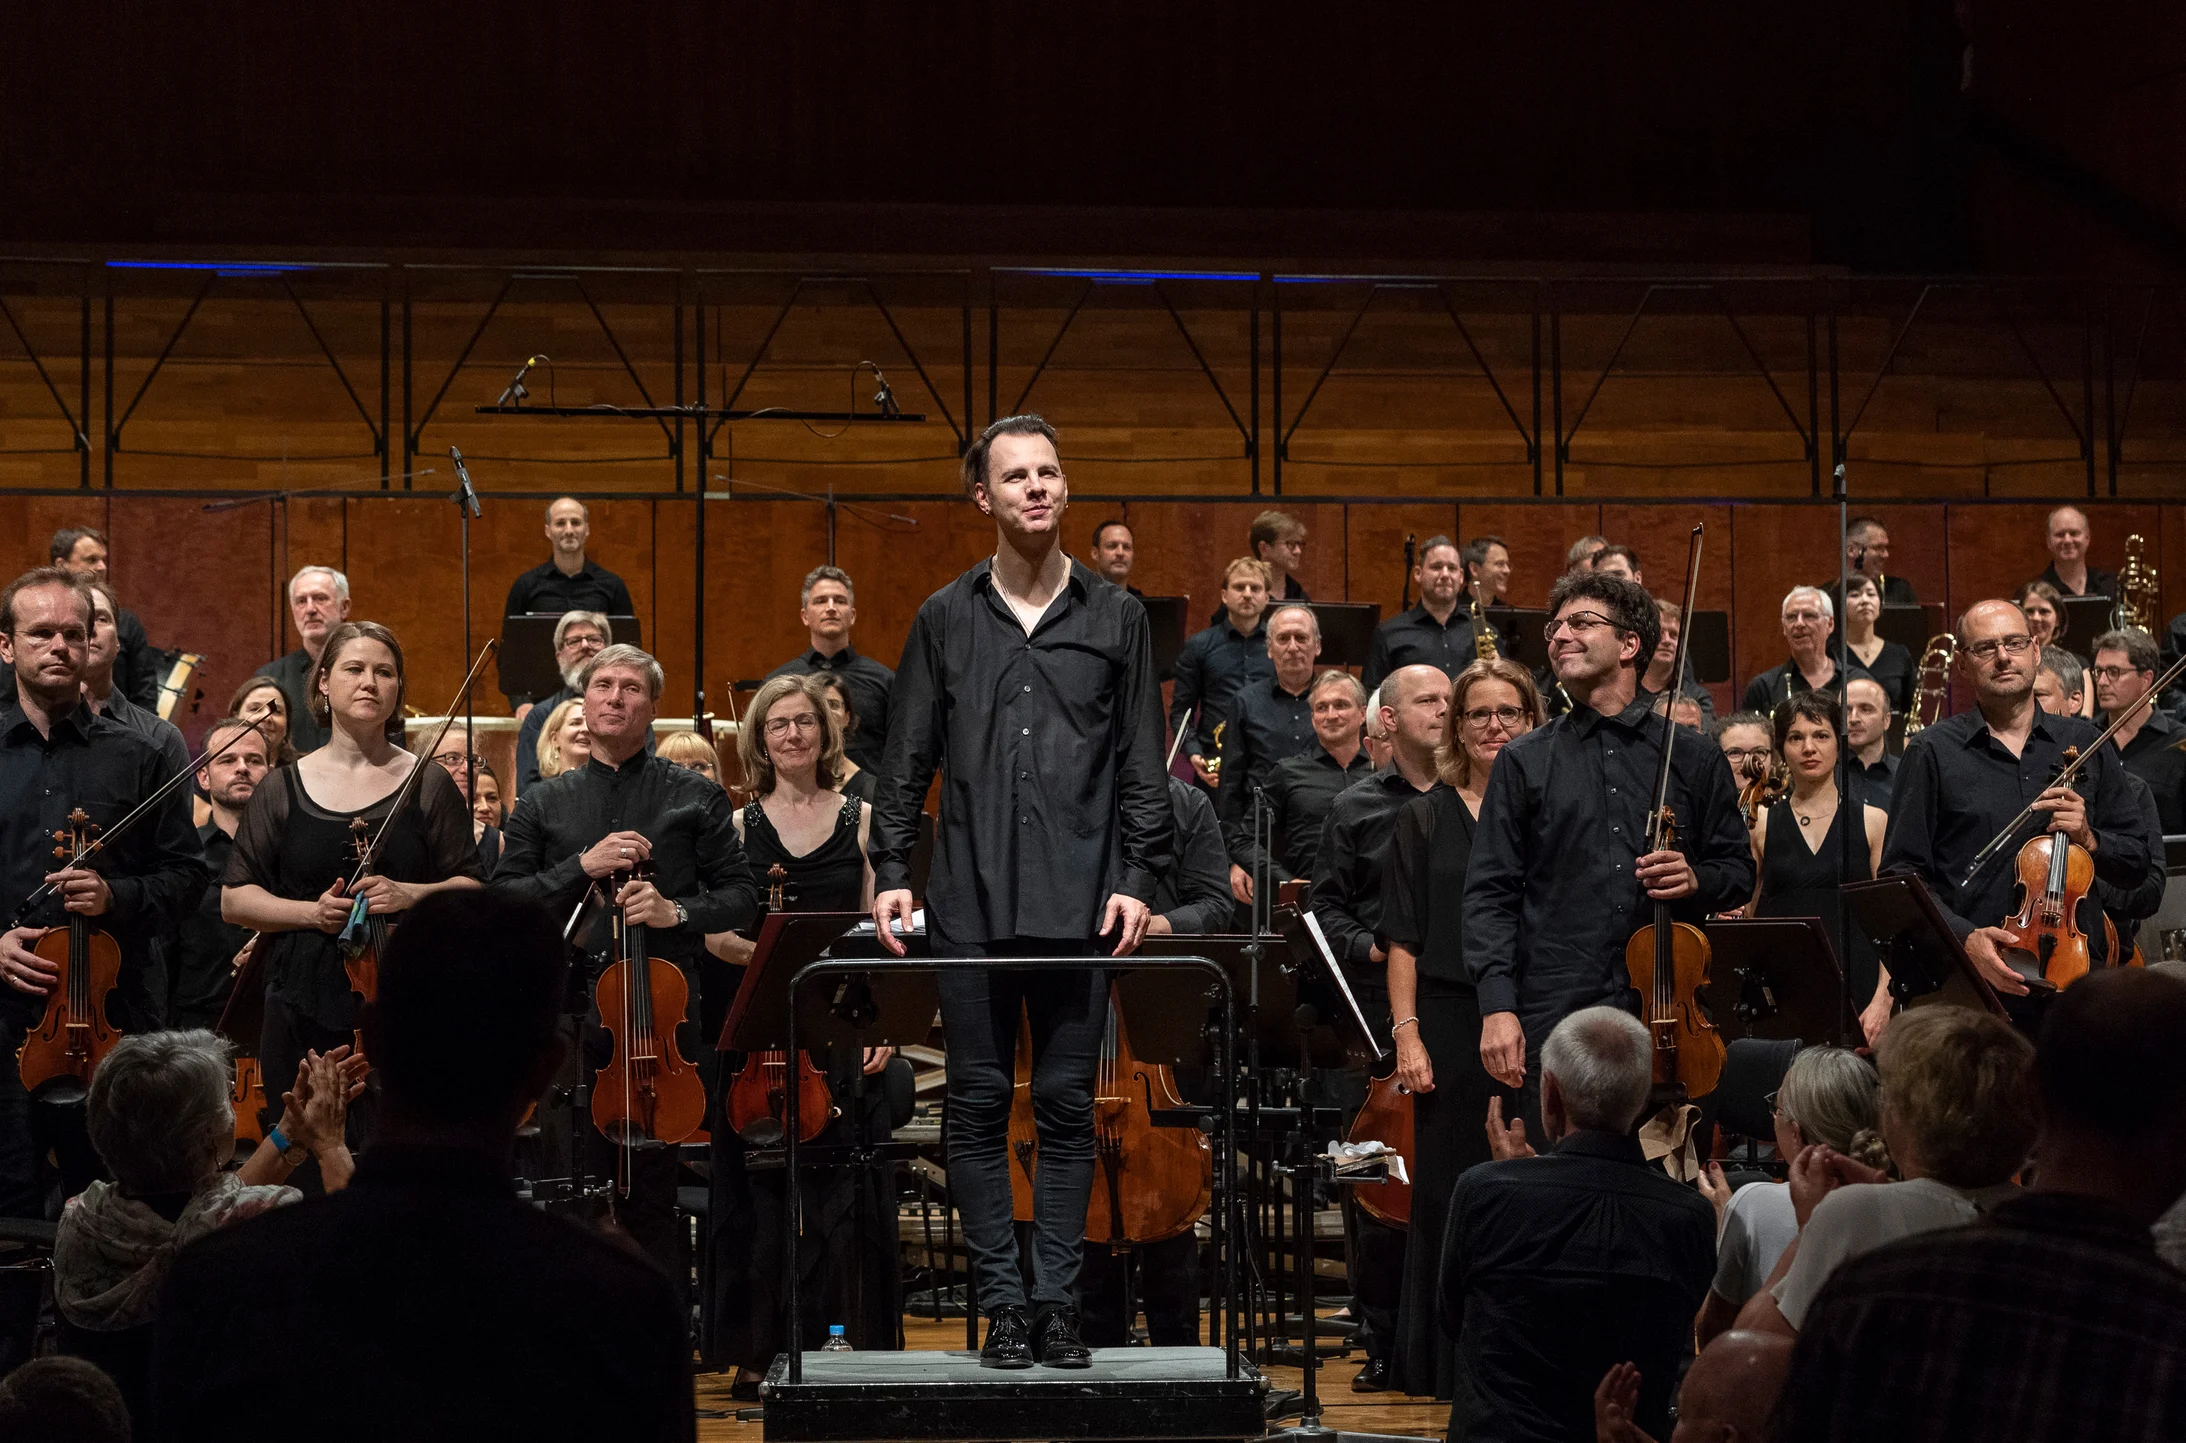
(697, 859)
(1053, 791)
(869, 684)
(1958, 786)
(1550, 894)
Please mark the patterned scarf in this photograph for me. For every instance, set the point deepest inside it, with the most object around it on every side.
(113, 1252)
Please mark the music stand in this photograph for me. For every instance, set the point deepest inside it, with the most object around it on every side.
(1774, 978)
(525, 664)
(2080, 620)
(1910, 624)
(1928, 965)
(1347, 630)
(1309, 945)
(1708, 657)
(1168, 621)
(1520, 634)
(1271, 1016)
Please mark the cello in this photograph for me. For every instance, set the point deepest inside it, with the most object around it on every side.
(74, 1035)
(647, 1095)
(1387, 1118)
(1667, 960)
(758, 1101)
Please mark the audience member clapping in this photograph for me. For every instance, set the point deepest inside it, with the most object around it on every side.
(427, 1300)
(1828, 1097)
(1726, 1396)
(2052, 1317)
(161, 1116)
(1958, 1115)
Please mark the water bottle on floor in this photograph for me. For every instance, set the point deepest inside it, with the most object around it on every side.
(836, 1342)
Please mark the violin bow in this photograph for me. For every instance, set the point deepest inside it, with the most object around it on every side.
(1184, 724)
(143, 809)
(1677, 673)
(417, 773)
(2070, 771)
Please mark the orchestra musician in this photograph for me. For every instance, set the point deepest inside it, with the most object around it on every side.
(2044, 610)
(578, 637)
(835, 693)
(1438, 631)
(1437, 1014)
(208, 950)
(106, 698)
(1798, 847)
(136, 670)
(56, 755)
(1115, 551)
(318, 602)
(1278, 539)
(1748, 743)
(566, 581)
(1867, 554)
(829, 609)
(1808, 622)
(1657, 680)
(1888, 662)
(1028, 684)
(799, 820)
(294, 852)
(1487, 567)
(2068, 571)
(1217, 662)
(1618, 559)
(1301, 789)
(625, 805)
(1548, 905)
(1967, 775)
(1271, 720)
(458, 756)
(1349, 897)
(263, 700)
(1581, 553)
(2060, 682)
(488, 813)
(1867, 732)
(564, 744)
(2124, 670)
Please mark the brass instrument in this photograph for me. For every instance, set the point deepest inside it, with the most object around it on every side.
(2139, 595)
(1932, 684)
(1483, 634)
(175, 683)
(1214, 763)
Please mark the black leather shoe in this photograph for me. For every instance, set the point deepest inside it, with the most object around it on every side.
(1373, 1378)
(1009, 1338)
(1055, 1338)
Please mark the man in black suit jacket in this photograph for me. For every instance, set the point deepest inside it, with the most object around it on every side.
(425, 1300)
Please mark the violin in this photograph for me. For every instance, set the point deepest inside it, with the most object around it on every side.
(1387, 1118)
(1667, 960)
(2055, 875)
(758, 1101)
(648, 1094)
(74, 1035)
(1152, 1183)
(364, 936)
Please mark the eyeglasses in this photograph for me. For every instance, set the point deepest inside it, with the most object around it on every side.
(1509, 716)
(704, 769)
(452, 760)
(782, 726)
(1735, 755)
(1579, 622)
(584, 643)
(2009, 645)
(2114, 673)
(1769, 1102)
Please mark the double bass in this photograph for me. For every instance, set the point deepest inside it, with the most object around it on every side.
(1668, 959)
(758, 1100)
(1150, 1183)
(73, 1036)
(647, 1095)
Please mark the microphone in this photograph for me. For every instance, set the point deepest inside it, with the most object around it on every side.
(884, 396)
(515, 393)
(465, 496)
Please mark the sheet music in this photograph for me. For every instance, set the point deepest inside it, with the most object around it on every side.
(1343, 983)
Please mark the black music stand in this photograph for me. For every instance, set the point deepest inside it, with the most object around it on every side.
(1928, 965)
(1347, 630)
(2081, 619)
(1774, 978)
(1910, 624)
(1168, 621)
(525, 665)
(1521, 634)
(1708, 658)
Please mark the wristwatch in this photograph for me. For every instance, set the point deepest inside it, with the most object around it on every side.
(683, 915)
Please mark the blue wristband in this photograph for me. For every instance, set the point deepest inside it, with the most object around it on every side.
(279, 1139)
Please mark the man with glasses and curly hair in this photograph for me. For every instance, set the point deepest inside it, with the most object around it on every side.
(1561, 875)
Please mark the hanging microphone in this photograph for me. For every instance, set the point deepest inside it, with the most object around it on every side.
(884, 396)
(515, 393)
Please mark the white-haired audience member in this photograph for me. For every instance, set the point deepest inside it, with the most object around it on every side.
(1558, 1267)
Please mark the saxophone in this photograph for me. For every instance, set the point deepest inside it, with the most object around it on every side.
(2139, 595)
(1483, 635)
(1214, 763)
(1932, 684)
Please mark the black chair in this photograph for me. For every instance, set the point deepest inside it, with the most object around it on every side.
(1753, 1069)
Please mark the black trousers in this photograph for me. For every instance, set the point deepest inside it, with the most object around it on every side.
(1068, 1012)
(30, 1131)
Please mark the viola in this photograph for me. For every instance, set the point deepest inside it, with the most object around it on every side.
(364, 937)
(2055, 874)
(647, 1094)
(758, 1100)
(73, 1036)
(1151, 1183)
(1387, 1118)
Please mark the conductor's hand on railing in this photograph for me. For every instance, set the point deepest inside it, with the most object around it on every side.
(889, 907)
(1128, 916)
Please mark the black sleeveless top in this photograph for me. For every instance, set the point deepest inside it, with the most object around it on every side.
(829, 878)
(1798, 882)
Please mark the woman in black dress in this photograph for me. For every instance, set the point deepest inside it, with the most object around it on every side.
(1888, 662)
(294, 852)
(857, 781)
(1798, 849)
(800, 820)
(1437, 1026)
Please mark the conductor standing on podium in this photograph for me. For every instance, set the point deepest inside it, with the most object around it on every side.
(1029, 683)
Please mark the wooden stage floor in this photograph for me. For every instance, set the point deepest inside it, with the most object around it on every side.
(1345, 1410)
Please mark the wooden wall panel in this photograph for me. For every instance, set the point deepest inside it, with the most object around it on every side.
(1660, 535)
(1992, 550)
(27, 524)
(1374, 547)
(1182, 547)
(898, 567)
(1538, 537)
(1917, 543)
(392, 583)
(224, 595)
(1770, 550)
(757, 553)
